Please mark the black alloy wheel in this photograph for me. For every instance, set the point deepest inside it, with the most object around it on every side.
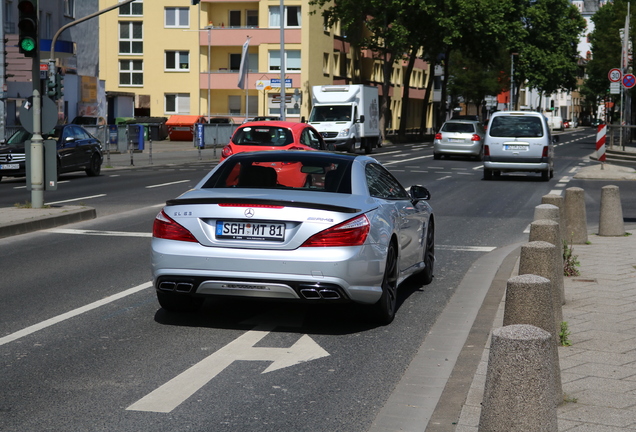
(426, 276)
(384, 309)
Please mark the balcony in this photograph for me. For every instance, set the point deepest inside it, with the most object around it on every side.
(235, 36)
(228, 80)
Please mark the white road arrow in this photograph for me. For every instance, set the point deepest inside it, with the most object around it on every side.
(177, 390)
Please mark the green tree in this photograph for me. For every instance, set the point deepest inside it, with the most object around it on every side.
(547, 47)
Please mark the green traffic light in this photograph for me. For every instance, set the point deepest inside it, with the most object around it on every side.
(27, 44)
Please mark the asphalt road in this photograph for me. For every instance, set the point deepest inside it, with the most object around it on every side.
(76, 358)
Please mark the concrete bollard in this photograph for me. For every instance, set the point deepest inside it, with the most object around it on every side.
(519, 393)
(529, 301)
(611, 217)
(559, 201)
(575, 216)
(548, 231)
(537, 258)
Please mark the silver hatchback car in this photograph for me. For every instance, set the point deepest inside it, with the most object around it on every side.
(459, 138)
(519, 141)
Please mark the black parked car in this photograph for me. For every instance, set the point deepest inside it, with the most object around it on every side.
(77, 150)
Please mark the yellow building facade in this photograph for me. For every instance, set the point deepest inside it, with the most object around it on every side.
(179, 58)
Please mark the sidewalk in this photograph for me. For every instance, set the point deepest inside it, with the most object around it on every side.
(598, 371)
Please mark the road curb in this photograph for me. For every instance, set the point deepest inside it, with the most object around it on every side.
(30, 220)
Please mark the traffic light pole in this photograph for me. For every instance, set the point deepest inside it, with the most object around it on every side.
(37, 153)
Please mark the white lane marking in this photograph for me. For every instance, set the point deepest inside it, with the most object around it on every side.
(180, 388)
(75, 312)
(76, 199)
(166, 184)
(443, 178)
(466, 248)
(98, 233)
(478, 167)
(462, 173)
(391, 152)
(573, 170)
(565, 179)
(407, 160)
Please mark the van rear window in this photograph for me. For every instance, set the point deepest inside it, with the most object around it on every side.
(516, 126)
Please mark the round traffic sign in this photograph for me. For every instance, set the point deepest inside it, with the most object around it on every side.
(629, 80)
(615, 75)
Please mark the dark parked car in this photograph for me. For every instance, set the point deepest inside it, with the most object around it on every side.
(77, 150)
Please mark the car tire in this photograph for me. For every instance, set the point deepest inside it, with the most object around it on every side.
(384, 310)
(95, 166)
(426, 275)
(181, 303)
(368, 146)
(351, 147)
(487, 174)
(545, 175)
(437, 156)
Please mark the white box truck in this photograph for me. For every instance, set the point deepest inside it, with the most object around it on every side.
(347, 116)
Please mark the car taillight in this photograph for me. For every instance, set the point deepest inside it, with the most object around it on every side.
(438, 136)
(227, 151)
(166, 228)
(545, 152)
(475, 138)
(349, 233)
(486, 150)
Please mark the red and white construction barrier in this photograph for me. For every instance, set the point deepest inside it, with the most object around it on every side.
(600, 142)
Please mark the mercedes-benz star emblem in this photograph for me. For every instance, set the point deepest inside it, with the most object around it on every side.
(249, 212)
(9, 157)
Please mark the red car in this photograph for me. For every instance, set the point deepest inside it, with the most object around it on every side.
(277, 135)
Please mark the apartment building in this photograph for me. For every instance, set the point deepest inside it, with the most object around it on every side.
(180, 58)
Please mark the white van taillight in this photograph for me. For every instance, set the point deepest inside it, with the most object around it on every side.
(545, 152)
(486, 150)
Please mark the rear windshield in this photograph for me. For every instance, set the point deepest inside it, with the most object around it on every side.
(516, 126)
(263, 136)
(294, 171)
(458, 127)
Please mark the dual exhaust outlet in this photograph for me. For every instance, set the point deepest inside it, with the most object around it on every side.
(320, 294)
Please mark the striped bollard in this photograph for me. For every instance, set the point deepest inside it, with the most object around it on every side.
(600, 142)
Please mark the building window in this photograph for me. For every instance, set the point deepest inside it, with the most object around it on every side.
(235, 18)
(131, 37)
(251, 18)
(48, 32)
(292, 60)
(135, 8)
(69, 8)
(292, 16)
(177, 17)
(325, 64)
(177, 60)
(235, 62)
(177, 103)
(234, 105)
(131, 73)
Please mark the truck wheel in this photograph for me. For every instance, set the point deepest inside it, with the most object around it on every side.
(368, 146)
(351, 148)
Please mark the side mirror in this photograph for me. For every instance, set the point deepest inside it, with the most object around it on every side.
(361, 119)
(419, 193)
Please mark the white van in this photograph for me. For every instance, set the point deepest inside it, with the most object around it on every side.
(518, 141)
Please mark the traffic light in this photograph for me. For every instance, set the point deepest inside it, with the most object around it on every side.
(59, 84)
(28, 27)
(51, 85)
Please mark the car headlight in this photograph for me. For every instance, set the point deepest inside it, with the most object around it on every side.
(344, 133)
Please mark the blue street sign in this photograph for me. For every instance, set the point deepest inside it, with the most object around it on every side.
(275, 82)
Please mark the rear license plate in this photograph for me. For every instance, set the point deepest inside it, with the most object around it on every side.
(455, 140)
(516, 147)
(250, 231)
(9, 166)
